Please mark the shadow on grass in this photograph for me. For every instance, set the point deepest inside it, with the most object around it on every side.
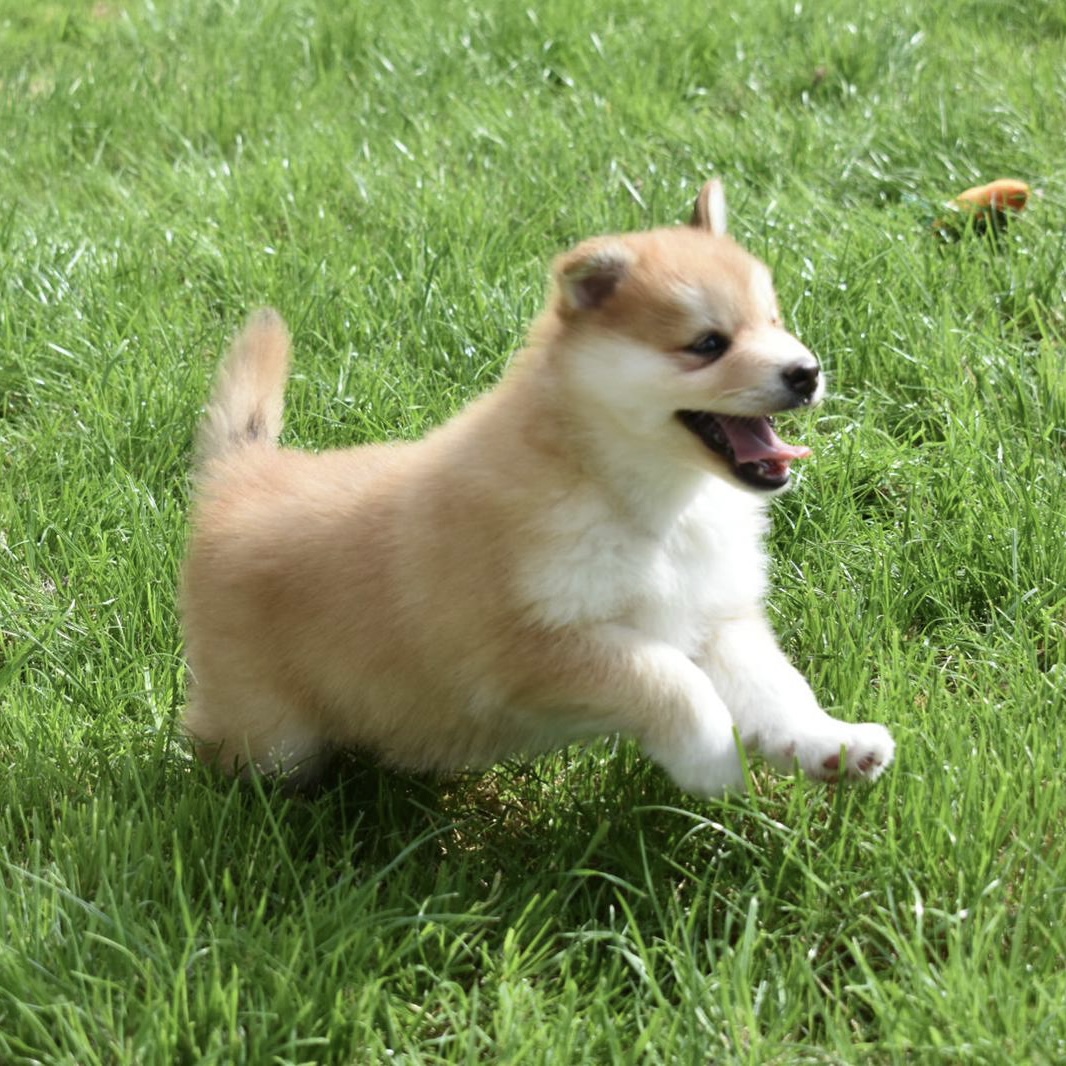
(586, 836)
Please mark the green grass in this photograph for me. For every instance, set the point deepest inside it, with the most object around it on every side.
(395, 178)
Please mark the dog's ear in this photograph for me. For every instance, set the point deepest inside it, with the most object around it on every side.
(709, 212)
(591, 272)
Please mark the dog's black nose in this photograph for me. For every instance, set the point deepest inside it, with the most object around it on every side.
(802, 379)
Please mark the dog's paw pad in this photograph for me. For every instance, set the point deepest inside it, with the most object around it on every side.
(868, 762)
(860, 753)
(868, 751)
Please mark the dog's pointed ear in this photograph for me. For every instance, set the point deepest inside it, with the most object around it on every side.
(591, 272)
(709, 212)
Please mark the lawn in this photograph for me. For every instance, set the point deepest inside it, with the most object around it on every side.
(395, 177)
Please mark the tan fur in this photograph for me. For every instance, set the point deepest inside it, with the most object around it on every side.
(418, 601)
(247, 399)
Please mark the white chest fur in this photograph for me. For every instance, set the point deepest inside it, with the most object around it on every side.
(593, 564)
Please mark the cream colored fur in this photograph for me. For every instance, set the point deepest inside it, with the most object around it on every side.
(563, 559)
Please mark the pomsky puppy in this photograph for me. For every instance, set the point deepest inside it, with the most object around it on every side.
(577, 553)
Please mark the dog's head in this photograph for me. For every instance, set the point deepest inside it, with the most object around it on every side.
(675, 337)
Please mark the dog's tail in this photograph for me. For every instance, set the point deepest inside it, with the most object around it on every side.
(247, 400)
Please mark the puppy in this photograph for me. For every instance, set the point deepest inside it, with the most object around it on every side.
(577, 553)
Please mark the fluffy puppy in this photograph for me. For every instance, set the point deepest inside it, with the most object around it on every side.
(577, 553)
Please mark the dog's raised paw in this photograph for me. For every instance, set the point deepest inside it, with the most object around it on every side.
(856, 752)
(865, 754)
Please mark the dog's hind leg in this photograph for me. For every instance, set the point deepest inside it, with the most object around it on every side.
(248, 732)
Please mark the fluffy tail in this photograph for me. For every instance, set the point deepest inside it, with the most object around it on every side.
(247, 400)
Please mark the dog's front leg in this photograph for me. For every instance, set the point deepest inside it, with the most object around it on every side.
(776, 712)
(613, 679)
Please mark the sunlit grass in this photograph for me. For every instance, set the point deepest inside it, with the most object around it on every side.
(396, 178)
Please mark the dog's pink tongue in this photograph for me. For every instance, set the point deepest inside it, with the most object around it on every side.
(753, 440)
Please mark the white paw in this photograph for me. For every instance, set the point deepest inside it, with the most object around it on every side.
(706, 766)
(860, 752)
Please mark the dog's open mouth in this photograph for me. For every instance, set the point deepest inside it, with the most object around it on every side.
(758, 456)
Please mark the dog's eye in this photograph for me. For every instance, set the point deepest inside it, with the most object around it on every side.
(710, 345)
